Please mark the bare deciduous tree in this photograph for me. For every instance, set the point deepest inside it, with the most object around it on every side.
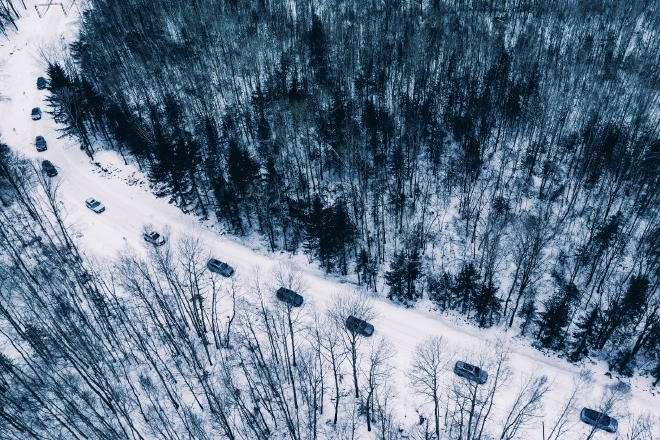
(431, 360)
(356, 303)
(526, 407)
(567, 411)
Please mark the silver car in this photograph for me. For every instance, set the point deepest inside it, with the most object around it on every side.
(95, 205)
(154, 238)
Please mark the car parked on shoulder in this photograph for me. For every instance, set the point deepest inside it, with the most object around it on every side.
(289, 296)
(41, 83)
(48, 168)
(599, 420)
(470, 372)
(154, 238)
(359, 326)
(220, 267)
(95, 205)
(40, 143)
(36, 113)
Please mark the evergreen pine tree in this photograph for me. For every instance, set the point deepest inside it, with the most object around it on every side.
(622, 313)
(403, 275)
(440, 288)
(413, 270)
(487, 305)
(466, 287)
(527, 313)
(556, 316)
(553, 320)
(314, 228)
(341, 229)
(395, 277)
(584, 335)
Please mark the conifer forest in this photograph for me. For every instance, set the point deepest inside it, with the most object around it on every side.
(496, 161)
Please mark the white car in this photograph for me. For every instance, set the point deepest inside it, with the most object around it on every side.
(95, 205)
(154, 238)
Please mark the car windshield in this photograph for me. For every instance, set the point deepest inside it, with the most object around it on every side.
(154, 235)
(94, 204)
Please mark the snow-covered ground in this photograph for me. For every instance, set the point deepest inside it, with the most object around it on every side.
(130, 205)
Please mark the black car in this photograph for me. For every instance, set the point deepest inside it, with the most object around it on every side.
(219, 267)
(599, 420)
(41, 83)
(48, 168)
(40, 143)
(289, 296)
(36, 113)
(359, 326)
(470, 372)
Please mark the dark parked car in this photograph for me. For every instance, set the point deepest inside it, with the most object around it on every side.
(41, 83)
(48, 168)
(36, 113)
(219, 267)
(359, 326)
(599, 420)
(289, 296)
(470, 372)
(40, 143)
(154, 238)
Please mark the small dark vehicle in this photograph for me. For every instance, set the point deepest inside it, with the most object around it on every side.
(41, 83)
(289, 296)
(48, 168)
(599, 420)
(470, 372)
(359, 326)
(40, 143)
(36, 113)
(219, 267)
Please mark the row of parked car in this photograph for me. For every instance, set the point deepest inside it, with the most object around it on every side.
(589, 416)
(462, 369)
(40, 142)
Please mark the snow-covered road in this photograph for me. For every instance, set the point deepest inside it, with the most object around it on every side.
(129, 207)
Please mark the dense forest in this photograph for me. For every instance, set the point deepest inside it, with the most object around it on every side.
(499, 158)
(153, 346)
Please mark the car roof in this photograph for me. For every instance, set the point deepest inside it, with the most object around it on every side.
(90, 200)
